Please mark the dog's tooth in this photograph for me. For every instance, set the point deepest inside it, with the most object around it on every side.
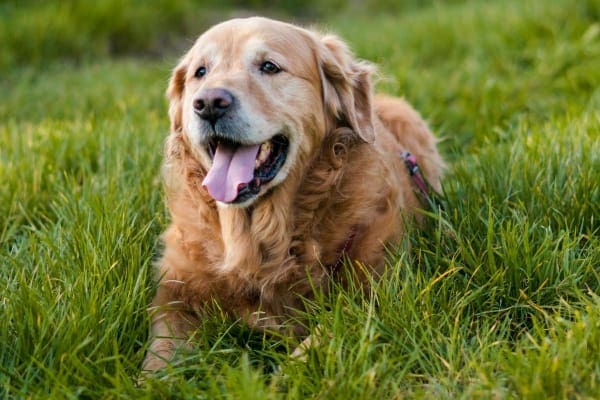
(266, 148)
(263, 153)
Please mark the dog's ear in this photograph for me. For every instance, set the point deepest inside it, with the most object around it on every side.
(175, 95)
(347, 91)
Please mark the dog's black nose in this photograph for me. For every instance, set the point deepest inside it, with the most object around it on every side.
(212, 104)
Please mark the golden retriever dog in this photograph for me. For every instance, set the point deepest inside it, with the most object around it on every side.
(280, 164)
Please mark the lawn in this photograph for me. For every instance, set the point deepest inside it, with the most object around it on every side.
(499, 297)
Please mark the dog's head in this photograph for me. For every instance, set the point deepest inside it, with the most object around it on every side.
(255, 97)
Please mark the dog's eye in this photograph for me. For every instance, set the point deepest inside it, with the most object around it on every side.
(200, 72)
(269, 67)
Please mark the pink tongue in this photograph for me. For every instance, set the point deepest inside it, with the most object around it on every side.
(231, 167)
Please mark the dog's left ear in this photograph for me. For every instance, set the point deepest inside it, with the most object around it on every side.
(347, 91)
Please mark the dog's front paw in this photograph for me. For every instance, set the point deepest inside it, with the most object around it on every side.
(159, 354)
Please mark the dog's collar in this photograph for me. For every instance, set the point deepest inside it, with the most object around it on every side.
(343, 250)
(410, 161)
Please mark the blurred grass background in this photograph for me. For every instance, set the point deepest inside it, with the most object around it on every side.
(498, 299)
(33, 32)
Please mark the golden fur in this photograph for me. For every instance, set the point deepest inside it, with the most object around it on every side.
(343, 176)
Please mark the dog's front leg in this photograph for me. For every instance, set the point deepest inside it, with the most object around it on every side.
(171, 327)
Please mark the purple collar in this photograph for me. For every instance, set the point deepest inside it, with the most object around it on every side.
(415, 173)
(342, 250)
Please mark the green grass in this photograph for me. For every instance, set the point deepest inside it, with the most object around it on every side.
(498, 298)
